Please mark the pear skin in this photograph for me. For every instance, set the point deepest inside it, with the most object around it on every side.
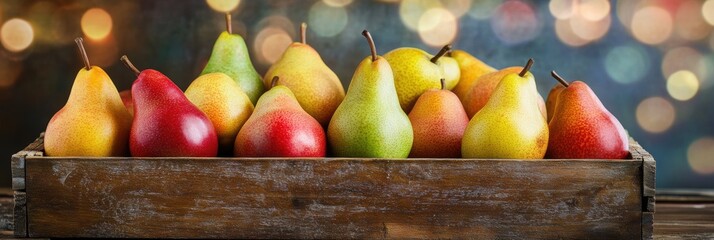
(415, 71)
(370, 122)
(582, 128)
(316, 87)
(94, 121)
(552, 99)
(224, 103)
(510, 125)
(279, 127)
(471, 69)
(439, 122)
(452, 73)
(230, 56)
(483, 88)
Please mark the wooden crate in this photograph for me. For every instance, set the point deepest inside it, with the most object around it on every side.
(67, 197)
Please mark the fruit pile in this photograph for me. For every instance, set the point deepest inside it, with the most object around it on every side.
(458, 107)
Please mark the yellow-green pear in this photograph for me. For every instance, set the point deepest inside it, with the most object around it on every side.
(415, 71)
(224, 103)
(316, 87)
(511, 124)
(370, 122)
(471, 69)
(94, 121)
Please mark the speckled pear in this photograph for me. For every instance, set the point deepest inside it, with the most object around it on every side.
(471, 69)
(484, 86)
(370, 122)
(415, 71)
(230, 56)
(439, 122)
(582, 128)
(450, 68)
(94, 121)
(315, 86)
(511, 124)
(224, 103)
(552, 99)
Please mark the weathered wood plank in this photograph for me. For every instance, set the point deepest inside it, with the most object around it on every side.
(17, 162)
(333, 198)
(20, 214)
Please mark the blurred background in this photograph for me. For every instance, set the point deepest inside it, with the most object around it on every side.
(650, 62)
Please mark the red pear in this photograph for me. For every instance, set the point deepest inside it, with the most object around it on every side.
(279, 127)
(552, 99)
(166, 123)
(582, 128)
(126, 99)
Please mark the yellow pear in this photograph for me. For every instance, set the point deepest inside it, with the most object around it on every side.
(317, 89)
(224, 103)
(452, 72)
(94, 121)
(511, 124)
(471, 69)
(415, 71)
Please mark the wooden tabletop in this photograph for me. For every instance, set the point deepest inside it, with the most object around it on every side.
(680, 214)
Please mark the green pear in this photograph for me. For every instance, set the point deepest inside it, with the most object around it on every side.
(315, 86)
(511, 124)
(370, 122)
(452, 73)
(415, 71)
(230, 56)
(224, 103)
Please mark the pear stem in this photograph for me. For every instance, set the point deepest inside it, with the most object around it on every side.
(441, 53)
(559, 78)
(372, 47)
(303, 33)
(526, 68)
(443, 84)
(229, 26)
(274, 82)
(129, 65)
(82, 52)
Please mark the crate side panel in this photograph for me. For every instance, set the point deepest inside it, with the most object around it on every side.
(319, 198)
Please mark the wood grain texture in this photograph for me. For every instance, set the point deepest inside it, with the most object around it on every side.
(648, 187)
(17, 162)
(20, 214)
(333, 198)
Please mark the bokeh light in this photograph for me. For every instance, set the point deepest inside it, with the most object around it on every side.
(483, 9)
(699, 155)
(593, 10)
(337, 3)
(457, 7)
(682, 85)
(270, 43)
(690, 23)
(437, 27)
(681, 58)
(16, 35)
(655, 114)
(627, 64)
(626, 10)
(223, 5)
(708, 11)
(590, 30)
(565, 33)
(103, 53)
(515, 22)
(326, 20)
(10, 72)
(96, 23)
(705, 71)
(411, 11)
(651, 25)
(562, 9)
(711, 42)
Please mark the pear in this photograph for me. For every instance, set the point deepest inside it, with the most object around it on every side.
(126, 99)
(230, 56)
(370, 122)
(315, 86)
(166, 123)
(439, 122)
(484, 86)
(279, 127)
(94, 121)
(471, 69)
(511, 124)
(224, 103)
(452, 73)
(415, 71)
(582, 128)
(552, 99)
